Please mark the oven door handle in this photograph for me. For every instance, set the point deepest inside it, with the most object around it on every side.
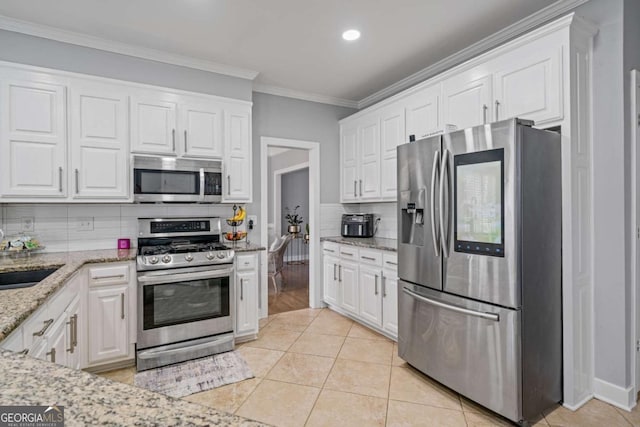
(172, 277)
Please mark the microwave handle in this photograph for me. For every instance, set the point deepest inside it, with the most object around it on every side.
(202, 184)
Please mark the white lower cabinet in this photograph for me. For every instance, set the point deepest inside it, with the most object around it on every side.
(108, 331)
(73, 317)
(56, 339)
(362, 284)
(246, 296)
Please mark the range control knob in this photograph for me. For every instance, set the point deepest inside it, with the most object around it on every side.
(166, 259)
(188, 257)
(153, 260)
(210, 256)
(221, 255)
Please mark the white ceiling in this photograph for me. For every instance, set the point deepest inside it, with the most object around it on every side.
(293, 44)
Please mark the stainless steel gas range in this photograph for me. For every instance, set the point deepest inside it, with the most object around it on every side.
(185, 291)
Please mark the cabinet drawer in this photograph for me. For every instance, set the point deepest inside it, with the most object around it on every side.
(370, 257)
(349, 253)
(390, 260)
(246, 262)
(330, 248)
(61, 299)
(111, 275)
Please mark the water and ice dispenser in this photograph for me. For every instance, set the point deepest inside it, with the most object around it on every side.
(412, 206)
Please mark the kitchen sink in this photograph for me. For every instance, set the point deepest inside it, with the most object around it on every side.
(23, 279)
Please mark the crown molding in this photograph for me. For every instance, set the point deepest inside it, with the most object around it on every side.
(305, 96)
(514, 30)
(79, 39)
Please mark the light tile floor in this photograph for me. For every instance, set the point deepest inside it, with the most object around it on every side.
(318, 368)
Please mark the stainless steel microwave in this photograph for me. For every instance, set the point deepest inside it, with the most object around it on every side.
(166, 179)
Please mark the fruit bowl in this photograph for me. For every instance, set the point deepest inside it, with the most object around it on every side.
(234, 223)
(234, 237)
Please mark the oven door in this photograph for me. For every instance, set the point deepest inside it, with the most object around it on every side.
(178, 305)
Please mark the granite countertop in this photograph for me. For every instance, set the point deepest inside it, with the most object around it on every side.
(92, 400)
(365, 242)
(245, 247)
(17, 304)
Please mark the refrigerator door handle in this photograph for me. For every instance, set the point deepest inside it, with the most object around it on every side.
(444, 233)
(434, 230)
(457, 309)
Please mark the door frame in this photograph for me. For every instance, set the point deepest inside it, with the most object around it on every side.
(277, 191)
(315, 267)
(635, 229)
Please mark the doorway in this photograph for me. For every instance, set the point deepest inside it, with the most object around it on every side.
(303, 260)
(635, 219)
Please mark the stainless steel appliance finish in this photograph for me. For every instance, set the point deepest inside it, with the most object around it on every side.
(167, 179)
(479, 256)
(358, 225)
(185, 291)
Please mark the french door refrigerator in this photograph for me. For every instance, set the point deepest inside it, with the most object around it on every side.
(479, 254)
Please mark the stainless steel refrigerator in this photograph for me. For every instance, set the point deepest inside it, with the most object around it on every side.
(479, 254)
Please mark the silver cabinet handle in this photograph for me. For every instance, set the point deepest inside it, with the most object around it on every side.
(52, 353)
(77, 181)
(185, 140)
(451, 307)
(122, 305)
(435, 171)
(60, 178)
(25, 351)
(241, 289)
(497, 110)
(329, 250)
(484, 113)
(367, 257)
(334, 273)
(360, 188)
(391, 263)
(115, 276)
(41, 332)
(70, 323)
(75, 330)
(339, 273)
(173, 139)
(355, 188)
(376, 285)
(444, 236)
(384, 286)
(228, 185)
(346, 253)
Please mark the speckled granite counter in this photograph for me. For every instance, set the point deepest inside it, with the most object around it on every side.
(365, 242)
(17, 304)
(92, 400)
(244, 247)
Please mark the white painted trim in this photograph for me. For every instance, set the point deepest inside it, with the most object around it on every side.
(277, 195)
(85, 40)
(305, 96)
(15, 66)
(315, 265)
(579, 404)
(514, 30)
(635, 167)
(622, 398)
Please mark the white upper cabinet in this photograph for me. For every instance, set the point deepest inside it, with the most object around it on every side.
(349, 163)
(392, 134)
(202, 130)
(33, 139)
(422, 110)
(154, 123)
(529, 86)
(237, 163)
(467, 101)
(369, 145)
(99, 142)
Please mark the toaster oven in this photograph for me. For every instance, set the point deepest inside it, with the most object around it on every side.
(358, 225)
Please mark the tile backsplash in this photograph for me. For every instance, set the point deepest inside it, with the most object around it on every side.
(64, 227)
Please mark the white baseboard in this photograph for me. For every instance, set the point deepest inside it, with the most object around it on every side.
(579, 404)
(622, 398)
(293, 258)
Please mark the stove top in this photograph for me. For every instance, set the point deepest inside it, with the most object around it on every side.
(181, 248)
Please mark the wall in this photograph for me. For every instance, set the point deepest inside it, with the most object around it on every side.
(25, 49)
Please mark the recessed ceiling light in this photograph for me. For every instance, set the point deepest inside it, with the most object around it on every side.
(351, 35)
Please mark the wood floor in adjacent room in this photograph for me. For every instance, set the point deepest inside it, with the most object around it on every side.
(293, 291)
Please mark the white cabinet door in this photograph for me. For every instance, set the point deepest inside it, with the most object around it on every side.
(99, 142)
(390, 301)
(330, 279)
(348, 283)
(74, 346)
(349, 163)
(56, 339)
(201, 134)
(530, 86)
(108, 316)
(392, 131)
(153, 125)
(236, 186)
(33, 139)
(369, 149)
(422, 111)
(370, 294)
(467, 101)
(246, 302)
